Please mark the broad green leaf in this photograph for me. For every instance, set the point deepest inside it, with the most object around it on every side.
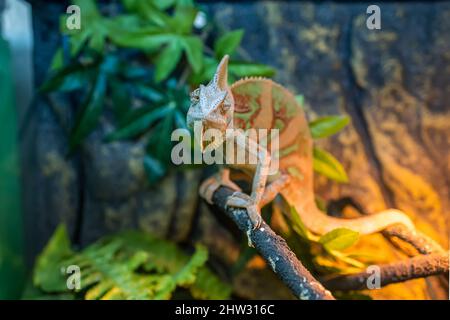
(327, 126)
(144, 39)
(148, 10)
(167, 60)
(90, 112)
(193, 47)
(228, 43)
(141, 124)
(339, 239)
(243, 69)
(183, 18)
(324, 163)
(94, 27)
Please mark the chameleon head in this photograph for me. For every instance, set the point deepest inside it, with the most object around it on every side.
(212, 105)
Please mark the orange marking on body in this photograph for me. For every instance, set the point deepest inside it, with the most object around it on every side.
(264, 117)
(290, 133)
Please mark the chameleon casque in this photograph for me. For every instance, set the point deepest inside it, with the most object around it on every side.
(263, 104)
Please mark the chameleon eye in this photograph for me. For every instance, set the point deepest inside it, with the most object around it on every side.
(195, 95)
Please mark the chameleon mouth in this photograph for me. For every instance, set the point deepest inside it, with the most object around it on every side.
(212, 142)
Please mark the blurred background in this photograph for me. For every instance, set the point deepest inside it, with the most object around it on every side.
(87, 115)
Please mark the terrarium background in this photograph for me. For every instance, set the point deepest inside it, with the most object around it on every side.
(393, 83)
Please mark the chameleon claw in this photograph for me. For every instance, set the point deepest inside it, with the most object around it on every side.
(242, 200)
(255, 216)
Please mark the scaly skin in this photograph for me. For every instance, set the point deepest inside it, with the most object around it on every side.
(263, 104)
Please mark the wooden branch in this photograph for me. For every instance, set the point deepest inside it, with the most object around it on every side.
(275, 251)
(412, 268)
(422, 243)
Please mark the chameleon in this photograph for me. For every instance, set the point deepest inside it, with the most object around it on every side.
(260, 103)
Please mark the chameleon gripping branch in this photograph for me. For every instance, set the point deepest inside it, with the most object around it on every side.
(274, 250)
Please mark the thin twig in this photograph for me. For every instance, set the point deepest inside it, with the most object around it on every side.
(275, 251)
(412, 268)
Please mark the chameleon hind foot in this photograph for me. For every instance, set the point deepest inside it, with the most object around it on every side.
(210, 185)
(242, 200)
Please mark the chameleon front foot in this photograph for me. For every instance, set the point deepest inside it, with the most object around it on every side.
(210, 185)
(242, 200)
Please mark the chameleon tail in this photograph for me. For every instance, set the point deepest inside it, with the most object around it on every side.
(320, 223)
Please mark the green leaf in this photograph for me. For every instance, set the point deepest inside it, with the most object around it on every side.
(339, 239)
(167, 60)
(228, 43)
(180, 120)
(149, 10)
(186, 275)
(120, 99)
(47, 274)
(149, 39)
(341, 256)
(149, 93)
(243, 69)
(324, 163)
(94, 28)
(89, 114)
(57, 60)
(154, 169)
(207, 72)
(71, 77)
(183, 18)
(300, 99)
(159, 143)
(209, 287)
(193, 47)
(141, 124)
(298, 225)
(327, 126)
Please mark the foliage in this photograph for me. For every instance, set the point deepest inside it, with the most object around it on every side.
(329, 249)
(140, 65)
(129, 265)
(326, 126)
(324, 162)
